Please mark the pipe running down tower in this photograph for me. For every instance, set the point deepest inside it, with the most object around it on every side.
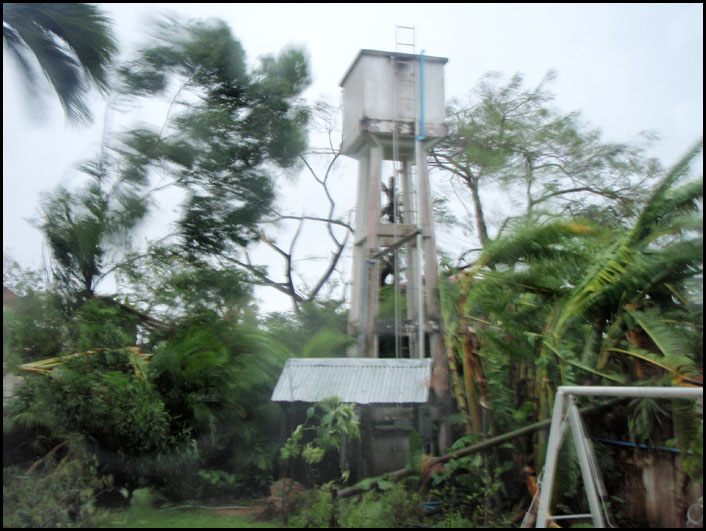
(393, 113)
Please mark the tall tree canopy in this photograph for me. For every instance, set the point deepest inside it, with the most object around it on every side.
(509, 136)
(73, 44)
(227, 128)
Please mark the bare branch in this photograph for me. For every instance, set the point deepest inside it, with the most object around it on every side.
(313, 218)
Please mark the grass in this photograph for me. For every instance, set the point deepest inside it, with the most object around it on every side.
(195, 518)
(141, 514)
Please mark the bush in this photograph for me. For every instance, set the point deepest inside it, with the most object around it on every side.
(395, 507)
(61, 497)
(317, 510)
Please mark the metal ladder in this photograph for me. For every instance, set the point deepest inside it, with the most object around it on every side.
(405, 105)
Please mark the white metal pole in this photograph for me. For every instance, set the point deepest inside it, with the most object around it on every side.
(586, 471)
(553, 445)
(554, 441)
(634, 392)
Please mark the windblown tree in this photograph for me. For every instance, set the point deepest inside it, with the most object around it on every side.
(84, 226)
(567, 301)
(322, 223)
(226, 130)
(229, 130)
(511, 138)
(73, 45)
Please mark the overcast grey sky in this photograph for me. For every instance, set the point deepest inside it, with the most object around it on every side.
(626, 67)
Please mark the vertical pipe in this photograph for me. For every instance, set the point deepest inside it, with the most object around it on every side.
(420, 277)
(366, 266)
(413, 251)
(421, 159)
(422, 134)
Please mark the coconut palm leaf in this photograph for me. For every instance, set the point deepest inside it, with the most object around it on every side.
(72, 43)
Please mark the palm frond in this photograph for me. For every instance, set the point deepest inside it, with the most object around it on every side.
(655, 207)
(326, 343)
(686, 424)
(73, 44)
(617, 378)
(674, 364)
(627, 255)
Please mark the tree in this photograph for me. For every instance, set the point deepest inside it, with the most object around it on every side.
(567, 301)
(225, 131)
(83, 226)
(511, 137)
(337, 229)
(206, 388)
(73, 44)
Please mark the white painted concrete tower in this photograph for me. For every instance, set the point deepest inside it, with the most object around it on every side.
(394, 110)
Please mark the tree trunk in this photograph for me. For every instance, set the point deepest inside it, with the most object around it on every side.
(478, 208)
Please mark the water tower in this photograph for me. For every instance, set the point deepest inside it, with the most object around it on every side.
(393, 113)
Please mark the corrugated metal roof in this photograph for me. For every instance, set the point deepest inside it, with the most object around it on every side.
(357, 380)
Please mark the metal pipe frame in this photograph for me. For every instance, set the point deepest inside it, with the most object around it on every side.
(565, 395)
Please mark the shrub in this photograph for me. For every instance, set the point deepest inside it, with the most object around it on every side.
(317, 510)
(63, 496)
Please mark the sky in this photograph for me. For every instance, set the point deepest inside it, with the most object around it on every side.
(626, 68)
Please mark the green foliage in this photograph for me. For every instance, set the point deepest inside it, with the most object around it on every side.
(34, 328)
(100, 324)
(61, 496)
(232, 124)
(689, 429)
(100, 397)
(331, 422)
(564, 301)
(201, 403)
(215, 378)
(387, 303)
(694, 463)
(510, 135)
(317, 330)
(218, 483)
(73, 44)
(453, 520)
(82, 227)
(20, 280)
(318, 510)
(472, 487)
(395, 507)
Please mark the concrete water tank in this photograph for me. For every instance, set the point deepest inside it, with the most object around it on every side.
(381, 87)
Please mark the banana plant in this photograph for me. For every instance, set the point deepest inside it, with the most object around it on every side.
(564, 301)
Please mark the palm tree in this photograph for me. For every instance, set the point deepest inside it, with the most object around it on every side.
(73, 43)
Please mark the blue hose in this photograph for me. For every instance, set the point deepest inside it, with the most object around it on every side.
(643, 446)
